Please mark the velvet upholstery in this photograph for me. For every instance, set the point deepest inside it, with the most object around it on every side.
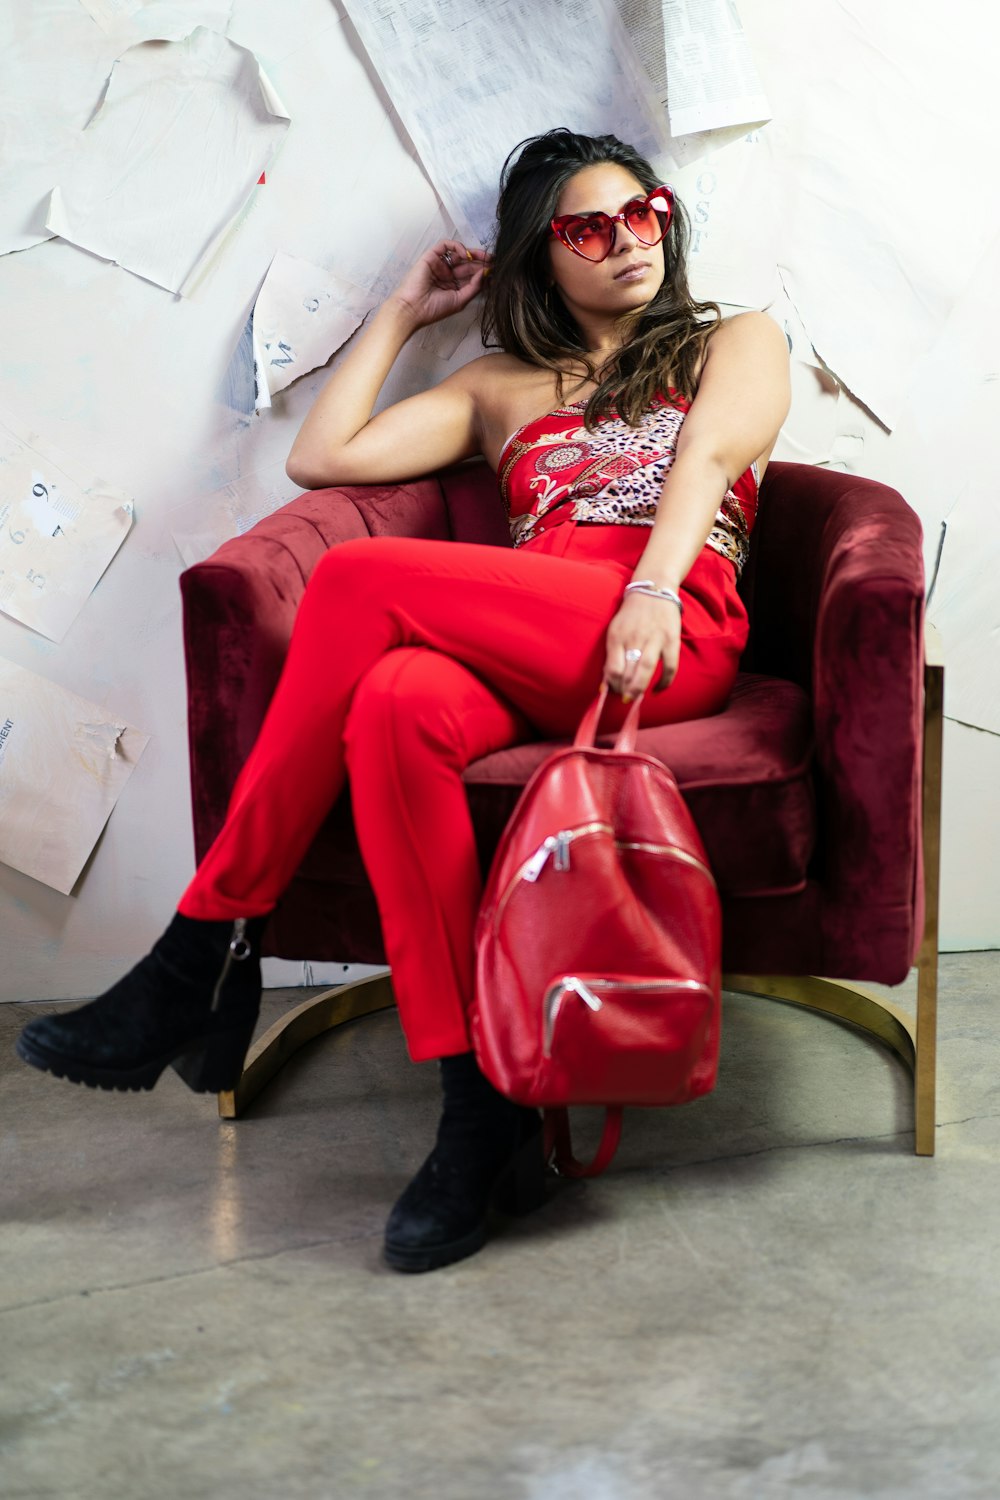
(806, 788)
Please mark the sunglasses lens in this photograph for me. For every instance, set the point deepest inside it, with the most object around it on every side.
(590, 237)
(649, 218)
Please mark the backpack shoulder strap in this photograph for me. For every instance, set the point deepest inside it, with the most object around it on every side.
(559, 1143)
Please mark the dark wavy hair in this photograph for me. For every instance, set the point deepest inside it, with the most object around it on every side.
(524, 316)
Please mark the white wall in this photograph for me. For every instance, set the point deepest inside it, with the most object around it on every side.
(125, 379)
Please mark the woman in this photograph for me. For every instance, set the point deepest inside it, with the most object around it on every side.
(628, 426)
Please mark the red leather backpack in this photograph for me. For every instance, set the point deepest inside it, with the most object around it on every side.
(598, 943)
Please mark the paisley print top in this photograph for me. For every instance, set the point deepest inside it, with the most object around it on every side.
(554, 470)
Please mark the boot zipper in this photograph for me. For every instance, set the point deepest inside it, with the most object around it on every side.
(239, 949)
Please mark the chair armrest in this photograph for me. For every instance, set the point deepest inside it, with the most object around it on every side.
(868, 695)
(835, 589)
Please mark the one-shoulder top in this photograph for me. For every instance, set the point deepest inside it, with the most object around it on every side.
(553, 470)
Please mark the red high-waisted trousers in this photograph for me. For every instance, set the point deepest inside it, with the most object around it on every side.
(408, 660)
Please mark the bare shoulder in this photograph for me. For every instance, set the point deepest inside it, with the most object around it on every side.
(491, 373)
(505, 393)
(747, 334)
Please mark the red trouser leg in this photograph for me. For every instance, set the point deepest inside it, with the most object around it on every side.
(531, 624)
(417, 720)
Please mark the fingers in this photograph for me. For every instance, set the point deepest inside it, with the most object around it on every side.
(643, 647)
(455, 265)
(631, 667)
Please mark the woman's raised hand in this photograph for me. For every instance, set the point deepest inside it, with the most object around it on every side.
(444, 280)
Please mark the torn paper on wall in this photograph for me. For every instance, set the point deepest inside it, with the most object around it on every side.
(47, 96)
(63, 764)
(56, 538)
(202, 525)
(879, 166)
(808, 433)
(733, 254)
(302, 316)
(966, 606)
(699, 62)
(472, 78)
(171, 157)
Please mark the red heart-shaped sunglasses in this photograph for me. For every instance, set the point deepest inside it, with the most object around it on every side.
(593, 235)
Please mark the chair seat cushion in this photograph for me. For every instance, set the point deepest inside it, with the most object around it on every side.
(745, 773)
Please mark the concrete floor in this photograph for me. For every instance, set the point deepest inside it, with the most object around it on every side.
(767, 1296)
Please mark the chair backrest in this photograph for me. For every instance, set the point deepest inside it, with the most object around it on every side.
(475, 512)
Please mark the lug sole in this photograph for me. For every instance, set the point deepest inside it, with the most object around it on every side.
(207, 1065)
(434, 1257)
(125, 1080)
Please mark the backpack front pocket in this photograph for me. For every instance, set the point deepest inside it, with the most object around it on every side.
(624, 1038)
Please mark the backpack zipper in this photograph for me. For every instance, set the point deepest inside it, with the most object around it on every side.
(554, 999)
(668, 849)
(558, 844)
(555, 996)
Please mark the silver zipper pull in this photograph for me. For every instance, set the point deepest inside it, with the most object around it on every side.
(239, 943)
(553, 1000)
(585, 993)
(536, 863)
(239, 949)
(562, 843)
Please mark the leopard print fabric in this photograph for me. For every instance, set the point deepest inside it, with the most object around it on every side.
(553, 470)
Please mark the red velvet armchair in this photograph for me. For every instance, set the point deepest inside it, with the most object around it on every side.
(816, 791)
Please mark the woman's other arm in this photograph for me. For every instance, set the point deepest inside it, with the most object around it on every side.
(742, 399)
(340, 442)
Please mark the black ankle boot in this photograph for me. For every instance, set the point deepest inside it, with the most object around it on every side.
(488, 1149)
(191, 1003)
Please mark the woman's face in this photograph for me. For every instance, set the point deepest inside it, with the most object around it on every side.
(631, 275)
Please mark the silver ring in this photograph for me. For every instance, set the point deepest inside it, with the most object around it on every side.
(446, 256)
(633, 655)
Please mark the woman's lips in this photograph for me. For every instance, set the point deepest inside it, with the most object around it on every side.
(633, 273)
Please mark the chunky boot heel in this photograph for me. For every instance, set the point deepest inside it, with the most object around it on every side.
(215, 1066)
(191, 1003)
(521, 1188)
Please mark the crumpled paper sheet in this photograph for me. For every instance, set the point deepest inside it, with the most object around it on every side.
(56, 537)
(302, 316)
(170, 158)
(63, 764)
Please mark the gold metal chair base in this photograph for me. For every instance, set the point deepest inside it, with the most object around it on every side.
(270, 1052)
(869, 1013)
(849, 1002)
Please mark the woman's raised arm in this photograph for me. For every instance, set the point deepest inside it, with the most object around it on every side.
(340, 442)
(742, 399)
